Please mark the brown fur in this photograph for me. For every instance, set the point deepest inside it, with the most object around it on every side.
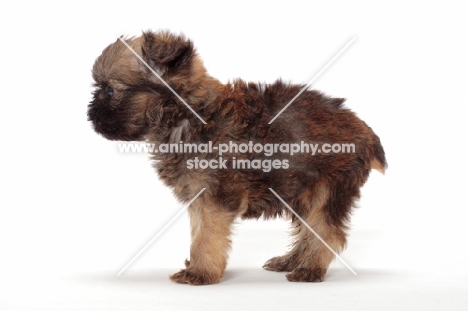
(130, 103)
(210, 230)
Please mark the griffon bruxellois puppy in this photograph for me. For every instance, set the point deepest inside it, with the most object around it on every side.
(132, 104)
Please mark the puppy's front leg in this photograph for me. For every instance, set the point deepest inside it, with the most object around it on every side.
(210, 230)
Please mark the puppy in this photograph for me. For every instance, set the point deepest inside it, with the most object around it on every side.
(132, 104)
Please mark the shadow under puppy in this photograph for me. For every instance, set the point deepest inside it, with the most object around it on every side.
(131, 104)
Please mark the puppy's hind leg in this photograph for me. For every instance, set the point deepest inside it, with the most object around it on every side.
(309, 258)
(210, 231)
(289, 261)
(327, 218)
(313, 200)
(312, 256)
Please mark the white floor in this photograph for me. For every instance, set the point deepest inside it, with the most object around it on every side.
(388, 278)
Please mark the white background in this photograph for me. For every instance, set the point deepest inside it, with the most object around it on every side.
(74, 210)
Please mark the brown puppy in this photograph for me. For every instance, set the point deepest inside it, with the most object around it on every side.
(131, 104)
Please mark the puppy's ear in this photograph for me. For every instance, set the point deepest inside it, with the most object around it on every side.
(166, 51)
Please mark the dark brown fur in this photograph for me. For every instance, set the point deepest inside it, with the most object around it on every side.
(130, 103)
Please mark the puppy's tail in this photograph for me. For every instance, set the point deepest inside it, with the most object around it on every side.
(378, 162)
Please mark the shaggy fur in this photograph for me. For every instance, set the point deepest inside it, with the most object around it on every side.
(131, 104)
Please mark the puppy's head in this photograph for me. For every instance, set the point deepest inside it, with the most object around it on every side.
(129, 98)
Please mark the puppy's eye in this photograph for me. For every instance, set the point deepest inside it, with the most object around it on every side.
(109, 92)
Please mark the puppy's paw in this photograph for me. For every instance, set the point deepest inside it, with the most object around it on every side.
(279, 264)
(193, 277)
(306, 275)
